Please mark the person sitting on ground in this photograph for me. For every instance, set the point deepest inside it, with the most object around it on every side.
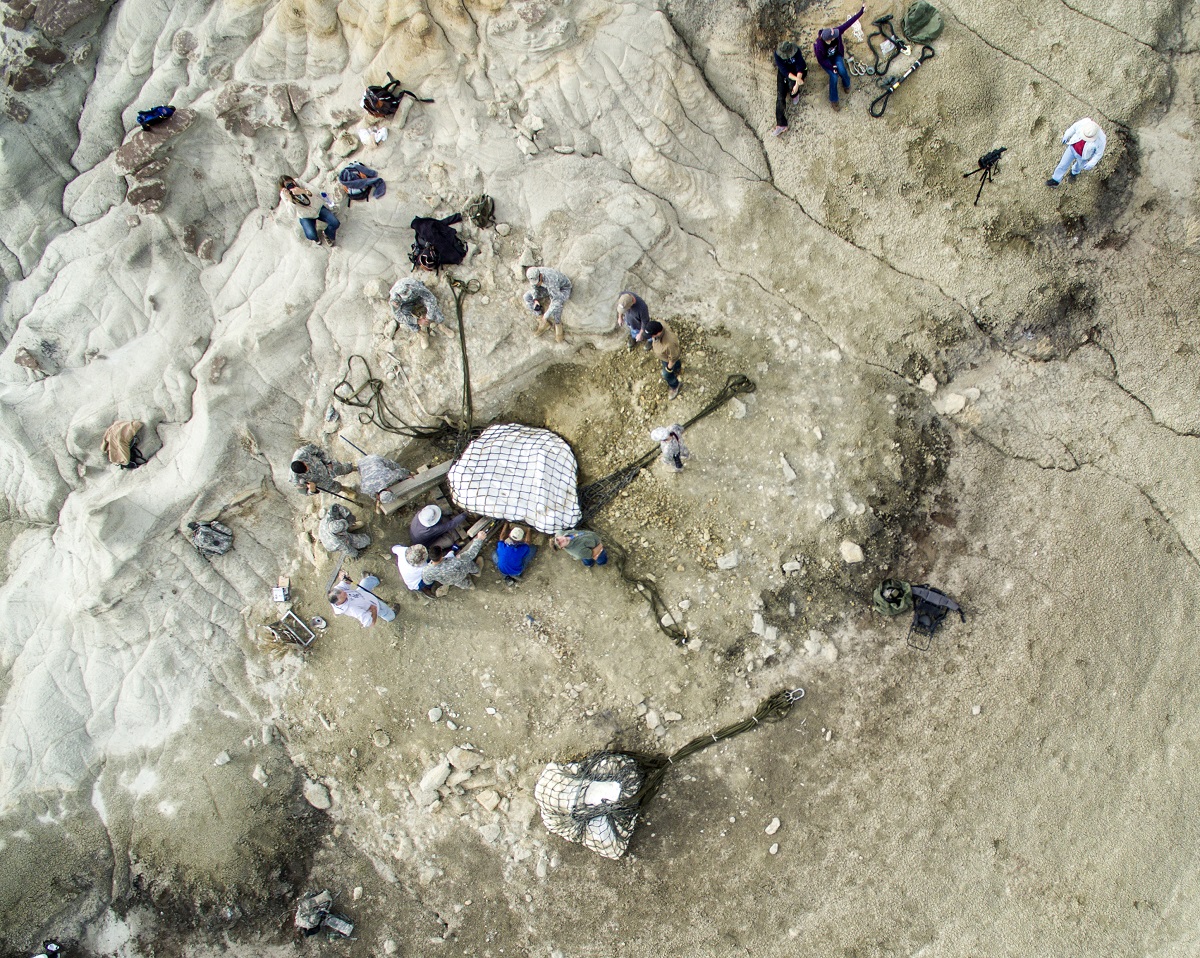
(358, 601)
(790, 71)
(633, 314)
(447, 568)
(1084, 143)
(671, 447)
(412, 561)
(313, 470)
(665, 344)
(415, 307)
(583, 545)
(830, 49)
(337, 532)
(548, 292)
(310, 207)
(512, 553)
(375, 474)
(429, 528)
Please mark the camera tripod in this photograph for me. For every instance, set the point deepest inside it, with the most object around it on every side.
(989, 166)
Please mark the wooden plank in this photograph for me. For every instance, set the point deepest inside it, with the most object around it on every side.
(408, 489)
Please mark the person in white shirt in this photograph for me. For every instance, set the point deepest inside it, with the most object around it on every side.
(1085, 143)
(358, 601)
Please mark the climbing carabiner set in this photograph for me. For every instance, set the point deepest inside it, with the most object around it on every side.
(889, 85)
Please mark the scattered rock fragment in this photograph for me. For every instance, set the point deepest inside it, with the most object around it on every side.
(464, 759)
(435, 714)
(259, 775)
(773, 827)
(774, 849)
(221, 759)
(436, 777)
(852, 553)
(729, 560)
(317, 795)
(381, 738)
(789, 474)
(489, 798)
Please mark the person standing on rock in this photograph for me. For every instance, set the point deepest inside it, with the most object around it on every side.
(790, 71)
(548, 293)
(671, 447)
(338, 532)
(665, 344)
(415, 308)
(430, 528)
(358, 601)
(313, 470)
(457, 569)
(412, 561)
(512, 553)
(582, 545)
(633, 314)
(830, 50)
(310, 207)
(1085, 143)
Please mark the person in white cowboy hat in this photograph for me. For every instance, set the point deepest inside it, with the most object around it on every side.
(429, 527)
(1084, 143)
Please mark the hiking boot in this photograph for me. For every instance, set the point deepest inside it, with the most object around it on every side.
(542, 326)
(795, 98)
(1053, 184)
(329, 241)
(779, 131)
(1072, 176)
(559, 335)
(672, 393)
(632, 344)
(835, 104)
(509, 581)
(441, 590)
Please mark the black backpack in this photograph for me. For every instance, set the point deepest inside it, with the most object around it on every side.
(384, 101)
(437, 243)
(930, 606)
(158, 114)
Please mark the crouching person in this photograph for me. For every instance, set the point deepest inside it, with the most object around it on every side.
(447, 568)
(337, 532)
(582, 545)
(512, 553)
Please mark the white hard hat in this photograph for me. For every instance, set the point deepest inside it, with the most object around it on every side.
(429, 516)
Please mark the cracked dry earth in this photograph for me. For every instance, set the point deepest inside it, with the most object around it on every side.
(999, 399)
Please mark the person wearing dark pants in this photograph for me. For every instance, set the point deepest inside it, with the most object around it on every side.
(830, 51)
(582, 545)
(790, 71)
(665, 344)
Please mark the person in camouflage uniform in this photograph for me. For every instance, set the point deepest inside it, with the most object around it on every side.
(375, 474)
(336, 535)
(548, 293)
(415, 308)
(457, 569)
(314, 470)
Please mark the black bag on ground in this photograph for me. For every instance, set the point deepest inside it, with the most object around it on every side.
(437, 242)
(481, 211)
(156, 114)
(384, 101)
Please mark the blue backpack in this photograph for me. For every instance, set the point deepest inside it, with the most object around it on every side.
(158, 114)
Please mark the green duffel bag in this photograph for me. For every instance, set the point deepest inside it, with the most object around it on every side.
(922, 22)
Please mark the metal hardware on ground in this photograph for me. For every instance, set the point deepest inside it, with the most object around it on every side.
(879, 104)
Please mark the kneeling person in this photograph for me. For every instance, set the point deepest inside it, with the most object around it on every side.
(512, 553)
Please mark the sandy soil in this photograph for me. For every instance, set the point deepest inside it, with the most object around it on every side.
(998, 399)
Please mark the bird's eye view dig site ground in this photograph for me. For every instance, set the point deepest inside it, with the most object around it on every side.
(995, 398)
